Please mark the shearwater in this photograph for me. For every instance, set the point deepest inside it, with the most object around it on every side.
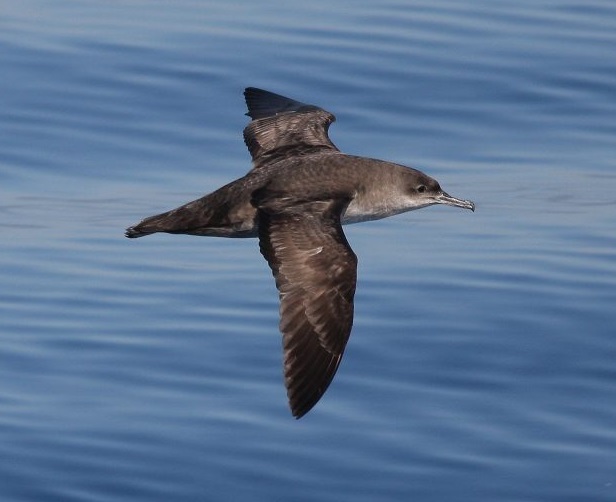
(300, 191)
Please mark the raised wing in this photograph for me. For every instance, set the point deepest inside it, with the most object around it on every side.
(283, 128)
(315, 271)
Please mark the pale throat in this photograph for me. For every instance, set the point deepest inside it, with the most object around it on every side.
(374, 208)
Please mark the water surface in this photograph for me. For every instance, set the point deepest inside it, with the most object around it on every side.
(481, 364)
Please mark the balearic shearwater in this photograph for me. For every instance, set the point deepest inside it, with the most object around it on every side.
(300, 191)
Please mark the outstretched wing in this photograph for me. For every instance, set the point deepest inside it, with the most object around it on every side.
(315, 271)
(283, 128)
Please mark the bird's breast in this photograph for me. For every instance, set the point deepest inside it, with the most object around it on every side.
(366, 208)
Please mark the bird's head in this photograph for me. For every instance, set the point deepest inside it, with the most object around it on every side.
(426, 191)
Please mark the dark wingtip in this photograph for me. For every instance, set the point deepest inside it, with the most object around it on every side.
(301, 405)
(262, 103)
(298, 412)
(301, 408)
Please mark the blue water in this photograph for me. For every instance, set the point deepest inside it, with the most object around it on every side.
(482, 364)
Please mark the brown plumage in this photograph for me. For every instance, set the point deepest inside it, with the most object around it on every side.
(295, 199)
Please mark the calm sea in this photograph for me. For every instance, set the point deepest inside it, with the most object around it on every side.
(482, 364)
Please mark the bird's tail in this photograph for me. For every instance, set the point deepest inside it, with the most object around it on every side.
(147, 226)
(135, 231)
(177, 221)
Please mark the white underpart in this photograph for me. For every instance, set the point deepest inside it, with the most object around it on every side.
(361, 209)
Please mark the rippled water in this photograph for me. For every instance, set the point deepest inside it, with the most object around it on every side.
(482, 361)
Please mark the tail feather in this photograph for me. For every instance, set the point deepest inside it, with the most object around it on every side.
(220, 214)
(177, 221)
(134, 232)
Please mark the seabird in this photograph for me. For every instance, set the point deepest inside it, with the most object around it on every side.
(300, 191)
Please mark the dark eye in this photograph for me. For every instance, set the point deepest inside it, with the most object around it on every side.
(421, 188)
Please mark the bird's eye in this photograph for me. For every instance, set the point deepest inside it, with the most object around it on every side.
(421, 188)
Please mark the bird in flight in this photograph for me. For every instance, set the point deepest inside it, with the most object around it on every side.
(300, 191)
